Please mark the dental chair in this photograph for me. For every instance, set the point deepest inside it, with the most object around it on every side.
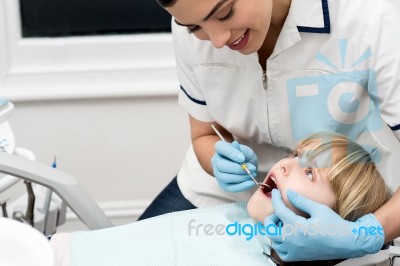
(17, 164)
(66, 187)
(20, 244)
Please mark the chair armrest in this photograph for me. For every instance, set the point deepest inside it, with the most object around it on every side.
(64, 185)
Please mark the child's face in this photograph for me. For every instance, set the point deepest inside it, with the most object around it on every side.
(298, 174)
(239, 24)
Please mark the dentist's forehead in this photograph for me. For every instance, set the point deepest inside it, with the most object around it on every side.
(192, 11)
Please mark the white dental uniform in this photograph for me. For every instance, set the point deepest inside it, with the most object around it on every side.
(335, 67)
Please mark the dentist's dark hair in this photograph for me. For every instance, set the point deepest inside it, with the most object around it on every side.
(166, 3)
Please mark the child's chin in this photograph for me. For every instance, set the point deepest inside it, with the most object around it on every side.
(259, 213)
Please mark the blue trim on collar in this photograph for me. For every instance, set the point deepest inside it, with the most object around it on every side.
(395, 127)
(327, 23)
(191, 98)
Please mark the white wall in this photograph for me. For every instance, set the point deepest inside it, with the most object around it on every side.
(122, 150)
(397, 4)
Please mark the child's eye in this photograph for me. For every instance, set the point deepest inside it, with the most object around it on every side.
(295, 154)
(309, 173)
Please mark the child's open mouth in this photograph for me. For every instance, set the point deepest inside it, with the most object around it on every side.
(270, 182)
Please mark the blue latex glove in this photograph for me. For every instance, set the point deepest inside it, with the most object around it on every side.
(346, 242)
(226, 164)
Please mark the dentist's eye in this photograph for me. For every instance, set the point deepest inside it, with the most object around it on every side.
(228, 16)
(309, 173)
(193, 29)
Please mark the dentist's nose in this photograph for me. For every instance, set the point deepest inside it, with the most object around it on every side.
(218, 36)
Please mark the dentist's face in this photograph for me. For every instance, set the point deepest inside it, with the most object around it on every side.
(297, 174)
(241, 25)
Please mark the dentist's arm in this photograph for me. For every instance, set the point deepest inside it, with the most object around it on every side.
(223, 159)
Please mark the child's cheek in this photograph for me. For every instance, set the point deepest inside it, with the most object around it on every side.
(287, 202)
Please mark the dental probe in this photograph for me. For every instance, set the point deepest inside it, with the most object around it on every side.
(244, 167)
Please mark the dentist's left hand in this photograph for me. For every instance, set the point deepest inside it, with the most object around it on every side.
(337, 238)
(227, 169)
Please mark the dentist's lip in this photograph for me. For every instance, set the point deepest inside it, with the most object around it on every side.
(241, 42)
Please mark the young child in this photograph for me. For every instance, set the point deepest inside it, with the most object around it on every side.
(330, 169)
(326, 167)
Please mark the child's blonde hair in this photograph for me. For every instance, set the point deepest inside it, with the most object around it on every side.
(359, 187)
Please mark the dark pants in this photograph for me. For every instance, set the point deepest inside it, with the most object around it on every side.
(169, 200)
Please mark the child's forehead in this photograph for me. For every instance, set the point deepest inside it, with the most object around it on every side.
(320, 144)
(308, 147)
(316, 155)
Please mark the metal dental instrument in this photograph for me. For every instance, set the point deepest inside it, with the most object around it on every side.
(3, 205)
(31, 203)
(244, 167)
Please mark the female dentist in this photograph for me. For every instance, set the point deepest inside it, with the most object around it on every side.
(268, 72)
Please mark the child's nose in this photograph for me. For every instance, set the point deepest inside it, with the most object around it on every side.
(287, 166)
(284, 169)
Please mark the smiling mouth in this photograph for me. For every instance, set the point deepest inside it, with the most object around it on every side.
(270, 181)
(241, 42)
(238, 40)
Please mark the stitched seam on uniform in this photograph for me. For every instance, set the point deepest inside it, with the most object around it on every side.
(327, 23)
(193, 99)
(395, 127)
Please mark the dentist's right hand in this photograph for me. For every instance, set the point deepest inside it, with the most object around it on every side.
(226, 164)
